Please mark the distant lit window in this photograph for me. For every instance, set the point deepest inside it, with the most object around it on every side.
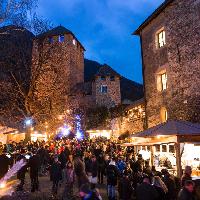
(171, 149)
(163, 114)
(164, 148)
(74, 42)
(161, 38)
(50, 40)
(157, 148)
(162, 81)
(104, 89)
(112, 78)
(103, 78)
(61, 38)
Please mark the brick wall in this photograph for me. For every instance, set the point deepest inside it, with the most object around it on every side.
(180, 57)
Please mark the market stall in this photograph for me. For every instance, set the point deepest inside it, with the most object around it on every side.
(173, 145)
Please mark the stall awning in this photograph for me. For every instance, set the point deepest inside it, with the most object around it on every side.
(171, 128)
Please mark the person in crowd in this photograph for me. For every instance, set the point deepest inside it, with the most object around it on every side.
(186, 175)
(55, 175)
(70, 179)
(170, 183)
(94, 170)
(4, 164)
(160, 187)
(121, 165)
(187, 192)
(139, 164)
(125, 187)
(112, 177)
(146, 191)
(87, 194)
(34, 164)
(101, 168)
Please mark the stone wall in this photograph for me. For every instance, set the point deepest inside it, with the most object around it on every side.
(180, 57)
(132, 122)
(56, 67)
(113, 96)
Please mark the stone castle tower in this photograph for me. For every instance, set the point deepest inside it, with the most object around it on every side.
(57, 66)
(107, 87)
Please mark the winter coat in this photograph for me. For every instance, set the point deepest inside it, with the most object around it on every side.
(112, 175)
(4, 164)
(125, 188)
(94, 169)
(161, 193)
(70, 175)
(34, 164)
(56, 172)
(146, 191)
(184, 194)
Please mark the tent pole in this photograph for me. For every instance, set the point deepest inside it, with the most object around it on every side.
(152, 155)
(178, 160)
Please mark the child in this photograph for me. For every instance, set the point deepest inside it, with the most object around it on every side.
(70, 179)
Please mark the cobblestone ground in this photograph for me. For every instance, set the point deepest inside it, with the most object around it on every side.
(45, 191)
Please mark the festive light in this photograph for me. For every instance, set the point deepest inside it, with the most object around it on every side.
(2, 185)
(28, 122)
(79, 132)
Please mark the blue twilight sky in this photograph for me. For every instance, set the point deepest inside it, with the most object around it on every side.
(104, 27)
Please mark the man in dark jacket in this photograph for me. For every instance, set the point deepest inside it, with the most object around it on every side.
(187, 193)
(94, 171)
(125, 187)
(146, 191)
(187, 175)
(4, 164)
(55, 175)
(34, 164)
(112, 177)
(101, 168)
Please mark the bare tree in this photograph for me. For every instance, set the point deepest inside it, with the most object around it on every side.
(23, 13)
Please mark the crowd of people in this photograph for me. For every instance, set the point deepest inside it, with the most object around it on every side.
(90, 164)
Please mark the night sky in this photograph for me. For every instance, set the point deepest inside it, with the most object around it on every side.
(104, 27)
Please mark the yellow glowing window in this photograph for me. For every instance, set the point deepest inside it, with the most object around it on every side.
(163, 114)
(161, 37)
(162, 81)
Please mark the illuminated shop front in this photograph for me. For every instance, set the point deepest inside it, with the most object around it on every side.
(171, 145)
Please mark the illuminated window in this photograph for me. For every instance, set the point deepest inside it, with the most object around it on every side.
(104, 89)
(161, 38)
(74, 42)
(164, 148)
(162, 81)
(61, 38)
(157, 148)
(171, 149)
(163, 114)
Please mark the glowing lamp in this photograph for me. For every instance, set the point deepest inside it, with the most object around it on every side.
(28, 122)
(2, 185)
(79, 135)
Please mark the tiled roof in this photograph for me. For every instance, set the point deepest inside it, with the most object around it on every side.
(171, 127)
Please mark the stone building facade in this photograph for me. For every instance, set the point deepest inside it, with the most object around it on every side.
(107, 87)
(170, 40)
(131, 122)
